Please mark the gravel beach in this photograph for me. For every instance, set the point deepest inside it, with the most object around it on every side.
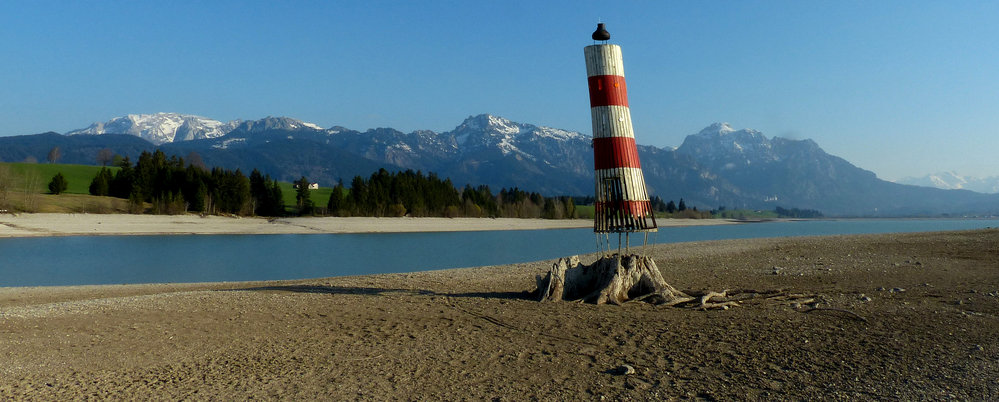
(893, 316)
(31, 225)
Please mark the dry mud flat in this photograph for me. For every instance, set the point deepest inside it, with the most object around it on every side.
(901, 316)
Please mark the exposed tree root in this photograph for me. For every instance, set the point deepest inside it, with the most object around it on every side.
(612, 279)
(620, 279)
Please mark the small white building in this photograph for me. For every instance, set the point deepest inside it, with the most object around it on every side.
(312, 186)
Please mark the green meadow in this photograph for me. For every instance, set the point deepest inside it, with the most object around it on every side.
(319, 197)
(36, 176)
(27, 190)
(24, 187)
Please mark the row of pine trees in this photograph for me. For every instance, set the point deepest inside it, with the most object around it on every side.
(411, 193)
(172, 186)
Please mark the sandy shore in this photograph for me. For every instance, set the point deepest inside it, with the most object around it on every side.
(26, 225)
(900, 316)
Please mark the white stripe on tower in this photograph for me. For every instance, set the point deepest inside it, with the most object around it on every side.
(622, 202)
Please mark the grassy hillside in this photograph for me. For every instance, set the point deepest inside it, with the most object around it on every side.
(24, 187)
(37, 176)
(27, 190)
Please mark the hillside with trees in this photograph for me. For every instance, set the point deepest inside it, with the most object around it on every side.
(172, 186)
(412, 193)
(159, 184)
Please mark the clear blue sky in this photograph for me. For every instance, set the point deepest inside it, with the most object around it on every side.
(902, 88)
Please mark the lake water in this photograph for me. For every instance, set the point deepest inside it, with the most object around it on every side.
(85, 260)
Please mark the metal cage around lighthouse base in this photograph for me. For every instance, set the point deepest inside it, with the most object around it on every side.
(616, 214)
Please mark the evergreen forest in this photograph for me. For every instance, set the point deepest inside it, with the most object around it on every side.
(412, 193)
(172, 187)
(159, 184)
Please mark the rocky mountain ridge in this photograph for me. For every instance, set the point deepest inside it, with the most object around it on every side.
(160, 128)
(719, 166)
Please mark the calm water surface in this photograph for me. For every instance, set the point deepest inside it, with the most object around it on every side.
(88, 260)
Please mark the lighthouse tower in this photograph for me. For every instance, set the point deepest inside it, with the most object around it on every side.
(622, 203)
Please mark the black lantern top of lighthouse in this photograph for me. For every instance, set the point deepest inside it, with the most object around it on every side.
(600, 33)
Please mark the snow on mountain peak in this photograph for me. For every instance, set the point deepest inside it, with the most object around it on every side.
(476, 133)
(720, 142)
(493, 124)
(953, 181)
(160, 128)
(498, 125)
(724, 129)
(558, 134)
(717, 128)
(276, 123)
(489, 130)
(724, 132)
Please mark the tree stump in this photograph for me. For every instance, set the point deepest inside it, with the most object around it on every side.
(612, 279)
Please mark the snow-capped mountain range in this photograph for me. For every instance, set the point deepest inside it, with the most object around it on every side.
(954, 181)
(718, 166)
(161, 128)
(491, 131)
(483, 149)
(475, 133)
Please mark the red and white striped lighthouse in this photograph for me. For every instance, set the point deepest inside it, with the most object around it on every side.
(622, 203)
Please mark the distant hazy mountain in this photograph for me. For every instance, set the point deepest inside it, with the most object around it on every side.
(780, 171)
(954, 181)
(77, 149)
(719, 166)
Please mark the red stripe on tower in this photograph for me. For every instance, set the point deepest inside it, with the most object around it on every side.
(606, 90)
(622, 202)
(615, 152)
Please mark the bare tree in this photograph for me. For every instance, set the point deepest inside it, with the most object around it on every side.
(194, 159)
(54, 155)
(105, 156)
(5, 186)
(31, 188)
